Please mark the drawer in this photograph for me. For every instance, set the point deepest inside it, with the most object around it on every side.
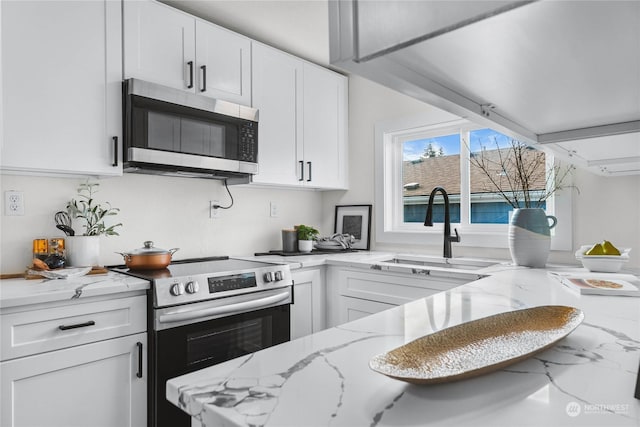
(391, 288)
(32, 332)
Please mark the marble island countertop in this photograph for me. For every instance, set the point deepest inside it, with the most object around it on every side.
(588, 378)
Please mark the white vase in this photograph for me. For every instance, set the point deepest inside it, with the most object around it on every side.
(82, 251)
(305, 245)
(529, 237)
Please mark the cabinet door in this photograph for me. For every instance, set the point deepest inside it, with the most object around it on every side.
(61, 86)
(89, 385)
(308, 310)
(159, 44)
(324, 127)
(277, 93)
(223, 64)
(302, 311)
(354, 308)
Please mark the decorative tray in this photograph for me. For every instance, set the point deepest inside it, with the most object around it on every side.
(478, 347)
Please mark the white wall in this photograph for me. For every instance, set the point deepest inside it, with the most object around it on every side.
(172, 212)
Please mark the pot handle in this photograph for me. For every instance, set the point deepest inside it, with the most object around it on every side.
(173, 251)
(127, 257)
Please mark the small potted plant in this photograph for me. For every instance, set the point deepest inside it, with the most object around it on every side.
(306, 236)
(84, 250)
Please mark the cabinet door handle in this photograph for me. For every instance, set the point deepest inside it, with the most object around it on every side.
(301, 170)
(139, 373)
(309, 164)
(76, 325)
(190, 65)
(204, 78)
(115, 151)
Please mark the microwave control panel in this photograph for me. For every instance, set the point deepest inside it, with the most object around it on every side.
(248, 149)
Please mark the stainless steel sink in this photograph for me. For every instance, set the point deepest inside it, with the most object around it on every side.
(442, 262)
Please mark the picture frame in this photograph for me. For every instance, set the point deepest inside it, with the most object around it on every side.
(355, 220)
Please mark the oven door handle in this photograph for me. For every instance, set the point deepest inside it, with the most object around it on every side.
(240, 307)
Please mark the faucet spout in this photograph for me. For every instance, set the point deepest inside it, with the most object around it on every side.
(428, 221)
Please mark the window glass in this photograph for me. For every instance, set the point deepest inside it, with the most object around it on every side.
(427, 163)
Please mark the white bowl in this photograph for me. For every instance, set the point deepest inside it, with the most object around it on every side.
(602, 263)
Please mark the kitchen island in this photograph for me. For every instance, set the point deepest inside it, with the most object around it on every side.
(588, 378)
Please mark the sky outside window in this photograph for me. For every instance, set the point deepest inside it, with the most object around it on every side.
(414, 150)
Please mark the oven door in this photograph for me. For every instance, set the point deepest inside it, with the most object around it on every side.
(183, 342)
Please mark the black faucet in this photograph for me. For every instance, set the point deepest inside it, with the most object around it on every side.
(428, 221)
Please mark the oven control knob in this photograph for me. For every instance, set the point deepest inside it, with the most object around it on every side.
(177, 289)
(268, 277)
(278, 276)
(192, 287)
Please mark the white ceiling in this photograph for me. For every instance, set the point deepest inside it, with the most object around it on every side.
(549, 66)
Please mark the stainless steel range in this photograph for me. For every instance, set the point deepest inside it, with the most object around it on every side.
(207, 311)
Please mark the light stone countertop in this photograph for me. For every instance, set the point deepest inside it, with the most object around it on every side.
(20, 292)
(588, 378)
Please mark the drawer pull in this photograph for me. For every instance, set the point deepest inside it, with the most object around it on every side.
(77, 325)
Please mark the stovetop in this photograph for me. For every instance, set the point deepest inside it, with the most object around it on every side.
(193, 267)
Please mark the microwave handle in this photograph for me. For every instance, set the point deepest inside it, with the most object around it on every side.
(204, 78)
(190, 65)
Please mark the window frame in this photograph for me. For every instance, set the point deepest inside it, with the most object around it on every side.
(390, 228)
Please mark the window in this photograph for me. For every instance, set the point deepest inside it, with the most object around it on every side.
(412, 159)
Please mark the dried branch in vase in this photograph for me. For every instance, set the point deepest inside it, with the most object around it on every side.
(519, 174)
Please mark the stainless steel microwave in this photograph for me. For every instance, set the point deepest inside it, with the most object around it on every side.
(172, 132)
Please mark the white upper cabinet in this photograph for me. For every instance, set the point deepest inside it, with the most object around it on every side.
(324, 125)
(277, 94)
(166, 46)
(159, 44)
(302, 126)
(223, 63)
(61, 87)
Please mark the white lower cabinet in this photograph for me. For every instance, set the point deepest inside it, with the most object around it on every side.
(356, 308)
(308, 308)
(86, 364)
(89, 385)
(354, 293)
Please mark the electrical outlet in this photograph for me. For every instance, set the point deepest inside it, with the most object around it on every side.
(214, 212)
(13, 203)
(273, 210)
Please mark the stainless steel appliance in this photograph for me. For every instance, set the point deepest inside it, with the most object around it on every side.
(172, 132)
(203, 312)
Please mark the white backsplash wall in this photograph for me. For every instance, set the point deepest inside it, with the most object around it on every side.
(172, 212)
